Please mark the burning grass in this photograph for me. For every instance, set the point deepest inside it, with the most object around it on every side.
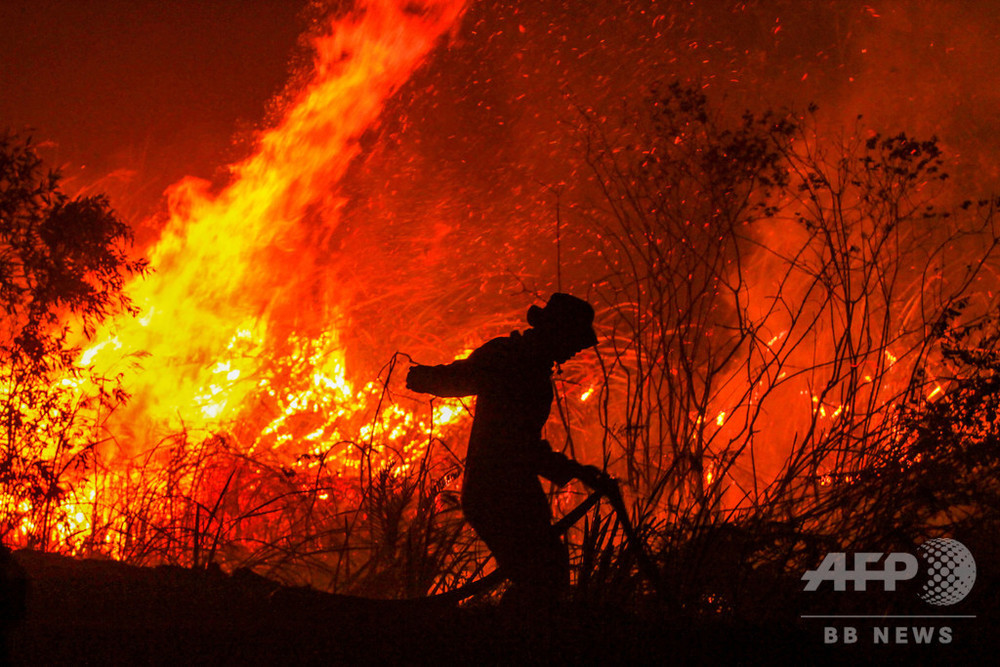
(791, 334)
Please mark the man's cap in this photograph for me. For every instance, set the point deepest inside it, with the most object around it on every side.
(566, 316)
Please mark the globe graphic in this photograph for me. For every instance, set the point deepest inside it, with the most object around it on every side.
(951, 571)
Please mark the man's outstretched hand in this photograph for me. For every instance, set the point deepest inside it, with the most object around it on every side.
(597, 479)
(416, 378)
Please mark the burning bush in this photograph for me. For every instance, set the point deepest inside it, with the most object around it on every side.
(776, 301)
(62, 260)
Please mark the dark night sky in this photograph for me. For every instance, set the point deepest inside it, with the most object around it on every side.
(150, 91)
(158, 88)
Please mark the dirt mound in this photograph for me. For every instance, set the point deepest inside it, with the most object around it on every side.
(105, 612)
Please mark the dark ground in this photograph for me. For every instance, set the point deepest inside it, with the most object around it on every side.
(88, 612)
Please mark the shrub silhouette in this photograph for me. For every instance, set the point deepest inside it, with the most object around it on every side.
(63, 264)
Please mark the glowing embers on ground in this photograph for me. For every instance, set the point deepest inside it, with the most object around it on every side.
(319, 413)
(66, 529)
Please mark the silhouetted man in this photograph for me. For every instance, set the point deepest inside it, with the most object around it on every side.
(501, 495)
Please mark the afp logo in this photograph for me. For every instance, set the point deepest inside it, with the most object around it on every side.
(949, 571)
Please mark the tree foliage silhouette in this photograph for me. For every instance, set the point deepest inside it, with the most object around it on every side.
(63, 265)
(779, 370)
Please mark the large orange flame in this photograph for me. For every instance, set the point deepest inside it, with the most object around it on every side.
(221, 336)
(227, 262)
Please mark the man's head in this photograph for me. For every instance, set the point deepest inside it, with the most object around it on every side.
(565, 324)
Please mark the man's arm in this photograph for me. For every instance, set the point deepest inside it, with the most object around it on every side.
(560, 469)
(459, 378)
(464, 377)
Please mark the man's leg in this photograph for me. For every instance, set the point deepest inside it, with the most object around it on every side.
(515, 523)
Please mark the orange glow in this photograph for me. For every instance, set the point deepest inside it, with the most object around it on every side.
(226, 262)
(207, 321)
(216, 341)
(241, 336)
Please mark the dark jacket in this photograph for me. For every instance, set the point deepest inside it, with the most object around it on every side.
(513, 385)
